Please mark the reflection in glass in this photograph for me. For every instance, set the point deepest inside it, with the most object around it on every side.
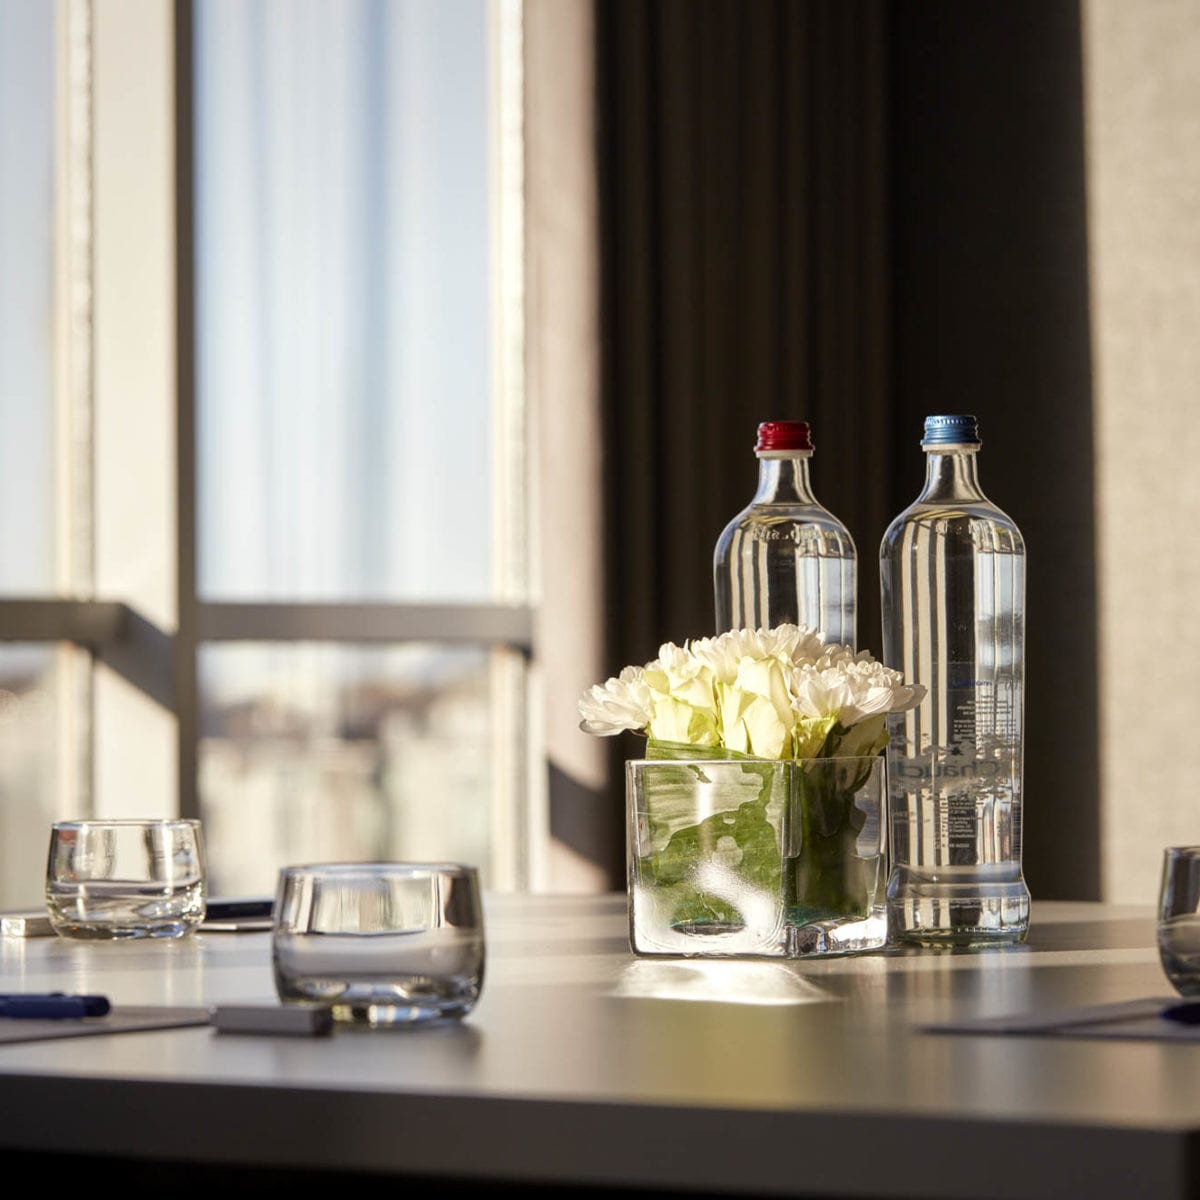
(342, 753)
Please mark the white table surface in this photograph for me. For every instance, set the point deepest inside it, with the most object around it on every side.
(584, 1065)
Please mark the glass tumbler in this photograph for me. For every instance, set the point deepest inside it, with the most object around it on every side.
(380, 943)
(1179, 918)
(126, 878)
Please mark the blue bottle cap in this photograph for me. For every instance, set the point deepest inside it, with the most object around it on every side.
(951, 431)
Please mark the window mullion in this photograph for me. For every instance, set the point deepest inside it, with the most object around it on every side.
(134, 385)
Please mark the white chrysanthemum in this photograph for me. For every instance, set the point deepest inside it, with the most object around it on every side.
(819, 691)
(835, 654)
(875, 689)
(616, 705)
(793, 643)
(724, 654)
(851, 687)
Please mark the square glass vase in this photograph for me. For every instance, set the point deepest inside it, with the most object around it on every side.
(746, 857)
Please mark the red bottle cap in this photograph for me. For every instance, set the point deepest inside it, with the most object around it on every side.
(784, 435)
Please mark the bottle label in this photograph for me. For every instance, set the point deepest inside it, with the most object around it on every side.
(970, 779)
(819, 541)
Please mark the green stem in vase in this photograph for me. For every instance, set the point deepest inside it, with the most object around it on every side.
(824, 878)
(740, 842)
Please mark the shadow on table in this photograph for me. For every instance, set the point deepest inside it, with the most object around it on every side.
(187, 1179)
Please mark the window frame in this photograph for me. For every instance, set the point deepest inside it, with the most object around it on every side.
(141, 632)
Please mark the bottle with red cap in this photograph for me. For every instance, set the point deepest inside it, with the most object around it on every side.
(785, 559)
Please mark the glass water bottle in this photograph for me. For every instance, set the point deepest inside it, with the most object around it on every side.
(952, 572)
(785, 559)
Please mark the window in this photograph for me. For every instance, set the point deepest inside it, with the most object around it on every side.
(278, 447)
(40, 680)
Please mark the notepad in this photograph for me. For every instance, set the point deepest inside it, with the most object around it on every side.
(124, 1018)
(1129, 1020)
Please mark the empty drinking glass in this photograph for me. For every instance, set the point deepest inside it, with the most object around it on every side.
(1179, 918)
(380, 943)
(125, 878)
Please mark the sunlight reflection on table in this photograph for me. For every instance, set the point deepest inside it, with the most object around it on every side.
(724, 981)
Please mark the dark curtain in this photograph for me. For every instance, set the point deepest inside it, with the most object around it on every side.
(854, 214)
(990, 315)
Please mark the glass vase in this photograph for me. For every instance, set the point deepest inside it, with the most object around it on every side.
(834, 869)
(734, 857)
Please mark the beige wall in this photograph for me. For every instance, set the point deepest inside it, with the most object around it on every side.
(1142, 105)
(563, 390)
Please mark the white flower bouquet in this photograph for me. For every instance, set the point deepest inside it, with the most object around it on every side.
(765, 693)
(766, 697)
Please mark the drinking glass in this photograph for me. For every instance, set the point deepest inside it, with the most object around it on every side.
(380, 943)
(125, 878)
(1179, 918)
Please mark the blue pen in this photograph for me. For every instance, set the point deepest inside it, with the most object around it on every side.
(52, 1006)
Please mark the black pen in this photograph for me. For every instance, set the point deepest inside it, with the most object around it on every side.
(237, 909)
(1186, 1012)
(52, 1006)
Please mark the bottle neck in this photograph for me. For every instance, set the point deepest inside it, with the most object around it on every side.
(952, 474)
(784, 481)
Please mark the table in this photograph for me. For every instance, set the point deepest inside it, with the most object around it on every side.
(583, 1066)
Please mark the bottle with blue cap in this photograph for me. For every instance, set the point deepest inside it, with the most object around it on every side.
(952, 573)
